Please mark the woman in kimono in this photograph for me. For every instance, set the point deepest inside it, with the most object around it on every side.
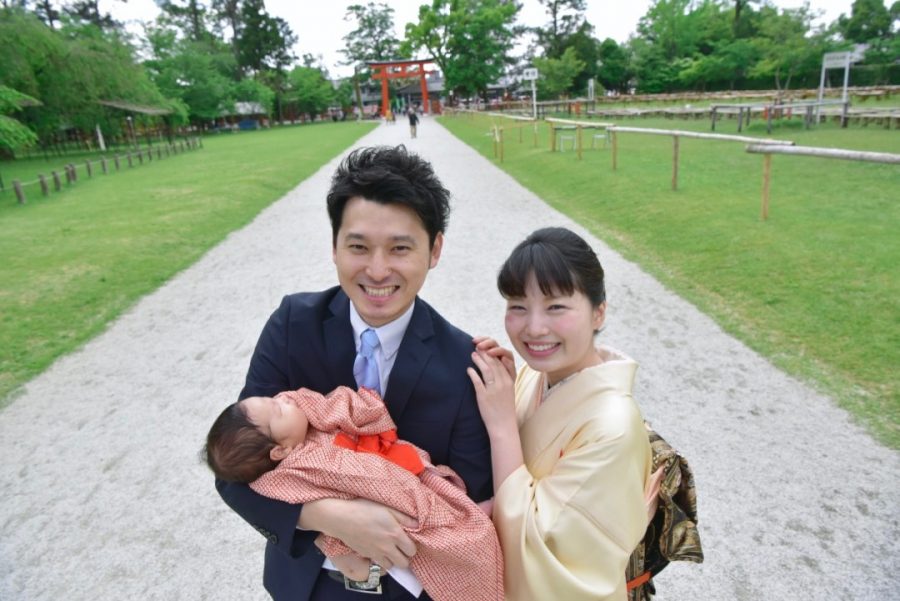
(570, 453)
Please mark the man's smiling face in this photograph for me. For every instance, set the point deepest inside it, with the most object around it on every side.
(382, 257)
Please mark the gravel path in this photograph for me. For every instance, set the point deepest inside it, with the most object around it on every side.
(103, 496)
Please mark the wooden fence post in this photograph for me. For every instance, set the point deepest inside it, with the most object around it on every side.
(116, 161)
(158, 153)
(552, 138)
(615, 150)
(68, 175)
(130, 161)
(674, 162)
(87, 165)
(20, 194)
(74, 172)
(140, 157)
(57, 185)
(578, 138)
(45, 190)
(767, 172)
(103, 166)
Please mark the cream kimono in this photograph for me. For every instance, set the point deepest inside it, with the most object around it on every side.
(569, 518)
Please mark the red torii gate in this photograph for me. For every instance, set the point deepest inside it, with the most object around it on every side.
(400, 69)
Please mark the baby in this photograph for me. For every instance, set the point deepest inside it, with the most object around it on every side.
(300, 446)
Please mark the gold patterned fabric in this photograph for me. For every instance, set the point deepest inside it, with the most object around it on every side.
(672, 534)
(569, 518)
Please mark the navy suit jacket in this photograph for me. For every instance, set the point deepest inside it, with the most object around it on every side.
(308, 342)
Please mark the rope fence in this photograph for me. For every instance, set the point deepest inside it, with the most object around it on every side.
(70, 170)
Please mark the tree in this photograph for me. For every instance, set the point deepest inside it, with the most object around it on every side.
(46, 12)
(251, 90)
(229, 12)
(587, 49)
(189, 16)
(566, 18)
(196, 73)
(13, 134)
(869, 20)
(470, 40)
(265, 41)
(557, 74)
(70, 71)
(88, 11)
(664, 37)
(784, 45)
(614, 71)
(310, 90)
(373, 39)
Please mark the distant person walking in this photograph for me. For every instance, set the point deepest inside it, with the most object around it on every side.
(413, 121)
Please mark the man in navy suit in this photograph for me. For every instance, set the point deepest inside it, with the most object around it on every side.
(388, 213)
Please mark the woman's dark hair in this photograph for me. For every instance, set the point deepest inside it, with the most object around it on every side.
(561, 261)
(236, 450)
(390, 175)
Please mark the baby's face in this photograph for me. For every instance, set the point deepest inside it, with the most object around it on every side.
(278, 418)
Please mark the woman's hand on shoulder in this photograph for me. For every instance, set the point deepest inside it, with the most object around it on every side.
(495, 391)
(493, 348)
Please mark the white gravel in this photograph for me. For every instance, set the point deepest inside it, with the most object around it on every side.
(103, 496)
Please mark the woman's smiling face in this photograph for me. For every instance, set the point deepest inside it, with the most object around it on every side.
(554, 333)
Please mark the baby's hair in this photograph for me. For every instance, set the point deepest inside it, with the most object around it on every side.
(236, 449)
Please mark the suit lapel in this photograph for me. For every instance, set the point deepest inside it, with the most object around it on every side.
(412, 357)
(338, 341)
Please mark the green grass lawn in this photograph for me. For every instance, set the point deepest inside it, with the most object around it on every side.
(814, 288)
(74, 260)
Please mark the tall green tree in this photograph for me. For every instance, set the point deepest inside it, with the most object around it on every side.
(786, 45)
(614, 72)
(265, 42)
(869, 20)
(557, 74)
(88, 11)
(310, 90)
(587, 50)
(566, 18)
(13, 133)
(470, 40)
(189, 16)
(47, 12)
(70, 71)
(664, 42)
(198, 74)
(373, 38)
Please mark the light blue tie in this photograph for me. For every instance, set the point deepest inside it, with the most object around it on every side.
(365, 368)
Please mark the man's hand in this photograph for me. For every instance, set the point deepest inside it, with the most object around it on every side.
(370, 529)
(352, 566)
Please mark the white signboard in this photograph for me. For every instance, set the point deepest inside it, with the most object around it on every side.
(530, 74)
(834, 60)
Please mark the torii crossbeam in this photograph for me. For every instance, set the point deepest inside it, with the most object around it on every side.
(400, 69)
